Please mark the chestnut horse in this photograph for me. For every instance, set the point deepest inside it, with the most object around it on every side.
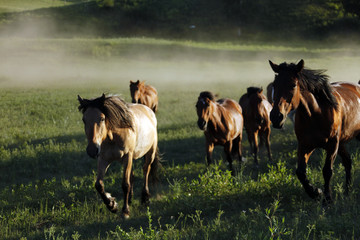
(222, 123)
(327, 116)
(117, 131)
(144, 94)
(256, 111)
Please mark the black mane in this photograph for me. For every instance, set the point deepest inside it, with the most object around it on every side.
(115, 109)
(314, 81)
(253, 90)
(207, 94)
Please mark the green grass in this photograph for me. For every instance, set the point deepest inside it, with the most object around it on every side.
(47, 180)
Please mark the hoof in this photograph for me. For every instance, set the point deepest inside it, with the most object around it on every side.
(125, 216)
(112, 206)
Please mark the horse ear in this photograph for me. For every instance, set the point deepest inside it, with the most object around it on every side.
(261, 90)
(300, 65)
(131, 82)
(274, 67)
(138, 81)
(80, 100)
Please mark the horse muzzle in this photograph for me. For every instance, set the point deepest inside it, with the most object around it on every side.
(93, 150)
(202, 124)
(277, 119)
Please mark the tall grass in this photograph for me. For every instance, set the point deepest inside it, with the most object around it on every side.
(47, 180)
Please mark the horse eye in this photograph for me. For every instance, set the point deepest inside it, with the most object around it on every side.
(102, 119)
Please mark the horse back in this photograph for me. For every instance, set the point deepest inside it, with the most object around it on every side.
(145, 127)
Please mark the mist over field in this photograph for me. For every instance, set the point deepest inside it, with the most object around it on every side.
(105, 63)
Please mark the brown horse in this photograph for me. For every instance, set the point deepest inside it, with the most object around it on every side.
(144, 94)
(256, 111)
(327, 116)
(222, 123)
(117, 131)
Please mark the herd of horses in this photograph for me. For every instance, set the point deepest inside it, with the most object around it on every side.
(327, 116)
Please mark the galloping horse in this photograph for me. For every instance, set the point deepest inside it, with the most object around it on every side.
(256, 111)
(327, 116)
(144, 94)
(119, 131)
(222, 123)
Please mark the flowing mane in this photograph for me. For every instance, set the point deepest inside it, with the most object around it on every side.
(314, 81)
(115, 109)
(252, 90)
(207, 94)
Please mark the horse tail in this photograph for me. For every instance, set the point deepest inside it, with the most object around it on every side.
(155, 166)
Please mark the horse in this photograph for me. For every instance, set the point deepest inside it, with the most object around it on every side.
(256, 112)
(118, 131)
(222, 123)
(327, 116)
(144, 94)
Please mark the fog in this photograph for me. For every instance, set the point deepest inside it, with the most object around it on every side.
(58, 63)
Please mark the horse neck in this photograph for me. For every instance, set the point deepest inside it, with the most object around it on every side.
(308, 104)
(217, 118)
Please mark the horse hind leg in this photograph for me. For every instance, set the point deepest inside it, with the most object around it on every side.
(346, 161)
(127, 185)
(152, 162)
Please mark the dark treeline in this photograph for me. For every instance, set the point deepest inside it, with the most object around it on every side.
(195, 19)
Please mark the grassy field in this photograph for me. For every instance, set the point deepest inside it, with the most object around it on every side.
(47, 180)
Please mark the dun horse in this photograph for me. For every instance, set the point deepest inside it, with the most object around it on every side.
(117, 131)
(144, 94)
(256, 111)
(222, 123)
(327, 116)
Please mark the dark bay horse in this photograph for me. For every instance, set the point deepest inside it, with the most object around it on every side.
(327, 116)
(117, 131)
(222, 123)
(144, 94)
(256, 111)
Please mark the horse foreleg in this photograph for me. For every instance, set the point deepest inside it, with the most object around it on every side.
(126, 184)
(109, 201)
(331, 152)
(209, 151)
(346, 161)
(303, 157)
(227, 148)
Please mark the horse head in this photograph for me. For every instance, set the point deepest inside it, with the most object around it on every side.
(135, 90)
(94, 123)
(286, 91)
(204, 108)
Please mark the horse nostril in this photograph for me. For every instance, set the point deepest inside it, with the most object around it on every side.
(93, 150)
(276, 118)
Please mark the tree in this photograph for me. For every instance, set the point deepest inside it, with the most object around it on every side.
(352, 6)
